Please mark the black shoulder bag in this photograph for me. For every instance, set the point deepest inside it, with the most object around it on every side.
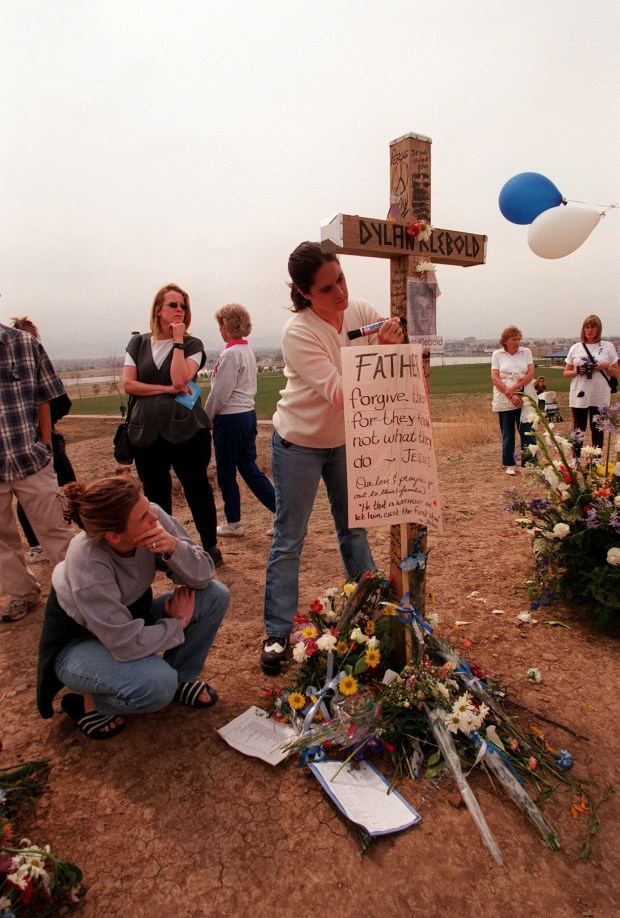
(611, 381)
(123, 450)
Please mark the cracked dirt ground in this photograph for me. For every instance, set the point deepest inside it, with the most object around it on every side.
(168, 820)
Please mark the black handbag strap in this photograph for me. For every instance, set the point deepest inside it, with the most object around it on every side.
(130, 404)
(602, 372)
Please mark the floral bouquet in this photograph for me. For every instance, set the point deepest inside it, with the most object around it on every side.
(575, 526)
(32, 880)
(355, 694)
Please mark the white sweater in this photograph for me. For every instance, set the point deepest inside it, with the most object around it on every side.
(310, 410)
(233, 384)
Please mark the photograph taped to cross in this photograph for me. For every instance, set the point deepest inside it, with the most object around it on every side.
(422, 312)
(391, 461)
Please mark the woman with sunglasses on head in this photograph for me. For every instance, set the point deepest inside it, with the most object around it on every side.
(308, 443)
(588, 366)
(164, 433)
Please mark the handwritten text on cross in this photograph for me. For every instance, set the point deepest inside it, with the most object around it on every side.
(391, 463)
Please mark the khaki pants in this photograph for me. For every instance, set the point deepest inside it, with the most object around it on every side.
(38, 495)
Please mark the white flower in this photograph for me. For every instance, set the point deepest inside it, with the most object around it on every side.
(527, 617)
(18, 880)
(533, 448)
(537, 546)
(327, 642)
(432, 618)
(613, 556)
(299, 652)
(5, 903)
(424, 266)
(440, 689)
(617, 499)
(617, 469)
(330, 615)
(358, 636)
(373, 643)
(533, 675)
(551, 475)
(560, 530)
(591, 451)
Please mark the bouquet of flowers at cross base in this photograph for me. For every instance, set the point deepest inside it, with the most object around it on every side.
(33, 881)
(355, 694)
(575, 526)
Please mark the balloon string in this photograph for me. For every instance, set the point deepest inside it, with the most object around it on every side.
(605, 207)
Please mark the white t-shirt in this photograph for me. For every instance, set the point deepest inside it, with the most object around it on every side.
(512, 367)
(596, 391)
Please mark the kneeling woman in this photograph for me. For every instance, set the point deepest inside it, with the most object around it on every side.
(102, 629)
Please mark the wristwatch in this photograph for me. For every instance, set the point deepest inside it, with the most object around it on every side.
(177, 344)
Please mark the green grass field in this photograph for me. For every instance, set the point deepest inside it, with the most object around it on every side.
(453, 380)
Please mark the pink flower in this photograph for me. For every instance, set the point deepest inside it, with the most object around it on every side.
(413, 229)
(310, 647)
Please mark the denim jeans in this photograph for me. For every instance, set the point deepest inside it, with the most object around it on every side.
(509, 423)
(234, 438)
(297, 471)
(148, 684)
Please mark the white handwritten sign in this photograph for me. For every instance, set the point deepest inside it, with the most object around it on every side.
(391, 463)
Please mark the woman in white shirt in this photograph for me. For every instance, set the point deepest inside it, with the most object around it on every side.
(512, 372)
(589, 389)
(308, 443)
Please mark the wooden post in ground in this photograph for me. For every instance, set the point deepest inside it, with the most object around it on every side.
(410, 180)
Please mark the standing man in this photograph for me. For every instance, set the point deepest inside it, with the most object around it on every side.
(27, 383)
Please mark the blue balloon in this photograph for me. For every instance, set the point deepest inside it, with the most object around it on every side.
(527, 195)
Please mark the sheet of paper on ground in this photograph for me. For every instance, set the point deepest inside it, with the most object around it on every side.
(254, 733)
(365, 797)
(391, 462)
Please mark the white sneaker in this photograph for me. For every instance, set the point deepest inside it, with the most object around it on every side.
(230, 529)
(36, 554)
(510, 470)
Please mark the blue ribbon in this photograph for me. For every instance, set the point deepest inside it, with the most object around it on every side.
(331, 682)
(408, 615)
(316, 753)
(476, 739)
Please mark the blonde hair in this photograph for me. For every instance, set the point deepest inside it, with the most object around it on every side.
(154, 322)
(509, 332)
(597, 322)
(103, 506)
(236, 319)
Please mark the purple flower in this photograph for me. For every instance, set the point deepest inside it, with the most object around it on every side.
(608, 418)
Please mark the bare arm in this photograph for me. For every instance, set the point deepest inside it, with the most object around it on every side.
(133, 386)
(45, 423)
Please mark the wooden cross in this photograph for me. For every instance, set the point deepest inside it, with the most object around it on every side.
(410, 179)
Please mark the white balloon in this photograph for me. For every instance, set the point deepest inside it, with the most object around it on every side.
(560, 230)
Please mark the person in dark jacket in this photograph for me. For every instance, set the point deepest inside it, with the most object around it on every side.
(165, 433)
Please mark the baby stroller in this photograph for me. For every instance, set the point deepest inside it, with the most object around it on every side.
(547, 403)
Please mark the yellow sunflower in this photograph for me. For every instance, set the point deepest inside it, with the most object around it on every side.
(372, 657)
(309, 632)
(347, 685)
(341, 647)
(370, 628)
(296, 700)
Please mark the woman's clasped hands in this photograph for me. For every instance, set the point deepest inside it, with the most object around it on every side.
(181, 605)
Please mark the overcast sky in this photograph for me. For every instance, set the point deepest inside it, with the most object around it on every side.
(200, 142)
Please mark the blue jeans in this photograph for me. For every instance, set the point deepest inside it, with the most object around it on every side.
(148, 684)
(234, 438)
(509, 423)
(297, 471)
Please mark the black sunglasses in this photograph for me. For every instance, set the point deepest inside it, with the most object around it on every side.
(176, 306)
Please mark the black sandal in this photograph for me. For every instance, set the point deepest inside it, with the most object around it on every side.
(189, 693)
(93, 725)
